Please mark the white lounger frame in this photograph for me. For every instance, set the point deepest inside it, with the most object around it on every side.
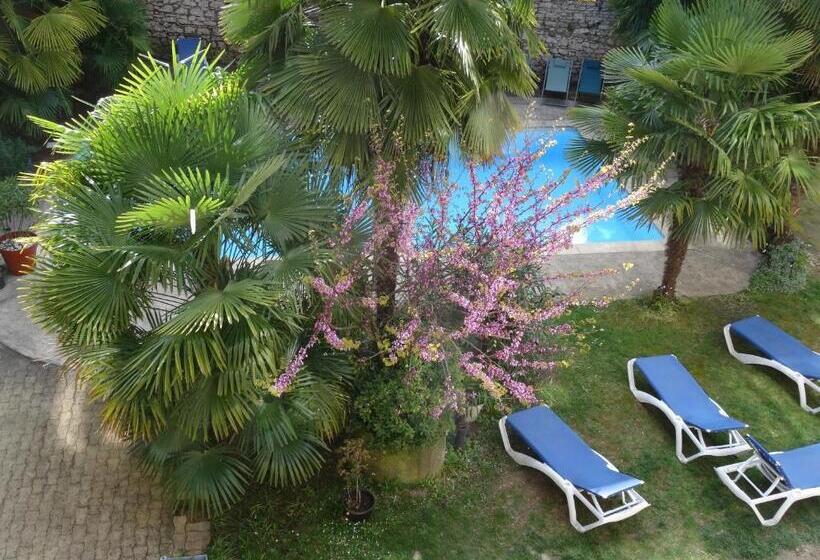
(736, 442)
(776, 490)
(802, 381)
(631, 501)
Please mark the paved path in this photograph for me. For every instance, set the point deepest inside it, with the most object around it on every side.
(66, 490)
(707, 271)
(18, 332)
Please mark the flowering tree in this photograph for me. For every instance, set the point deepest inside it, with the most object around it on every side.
(472, 294)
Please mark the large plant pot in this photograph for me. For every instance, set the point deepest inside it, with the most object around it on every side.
(19, 262)
(191, 536)
(411, 465)
(364, 509)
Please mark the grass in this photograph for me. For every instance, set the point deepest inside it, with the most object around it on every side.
(486, 507)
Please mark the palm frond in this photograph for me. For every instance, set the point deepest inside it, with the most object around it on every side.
(209, 481)
(375, 36)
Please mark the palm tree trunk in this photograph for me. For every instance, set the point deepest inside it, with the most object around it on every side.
(387, 269)
(676, 248)
(386, 254)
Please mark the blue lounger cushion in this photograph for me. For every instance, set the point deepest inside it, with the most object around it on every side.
(778, 345)
(590, 81)
(678, 389)
(554, 443)
(800, 468)
(557, 77)
(186, 47)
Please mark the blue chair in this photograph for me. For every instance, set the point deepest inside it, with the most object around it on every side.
(556, 79)
(590, 80)
(779, 350)
(692, 412)
(791, 476)
(186, 48)
(583, 474)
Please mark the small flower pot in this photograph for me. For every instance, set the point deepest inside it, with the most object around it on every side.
(363, 510)
(20, 261)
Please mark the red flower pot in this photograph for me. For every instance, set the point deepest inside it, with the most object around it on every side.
(19, 262)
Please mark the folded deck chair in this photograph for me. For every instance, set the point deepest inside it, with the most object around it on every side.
(583, 474)
(780, 351)
(556, 79)
(590, 82)
(687, 406)
(790, 476)
(186, 48)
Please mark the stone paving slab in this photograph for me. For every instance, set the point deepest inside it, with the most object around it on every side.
(18, 332)
(66, 489)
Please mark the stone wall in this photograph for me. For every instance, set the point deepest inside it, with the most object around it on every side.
(574, 29)
(170, 19)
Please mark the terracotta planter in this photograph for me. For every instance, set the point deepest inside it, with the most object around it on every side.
(411, 465)
(19, 262)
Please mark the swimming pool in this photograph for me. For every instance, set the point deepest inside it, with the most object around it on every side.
(550, 166)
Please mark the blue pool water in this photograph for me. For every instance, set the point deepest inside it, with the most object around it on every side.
(551, 165)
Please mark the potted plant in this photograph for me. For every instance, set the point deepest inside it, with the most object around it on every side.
(353, 459)
(466, 416)
(17, 245)
(401, 410)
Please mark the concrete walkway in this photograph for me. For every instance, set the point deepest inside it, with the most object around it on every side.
(708, 269)
(67, 490)
(17, 331)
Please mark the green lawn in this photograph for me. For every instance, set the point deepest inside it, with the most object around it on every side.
(486, 507)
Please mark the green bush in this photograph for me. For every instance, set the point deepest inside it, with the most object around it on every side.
(785, 268)
(40, 57)
(15, 155)
(15, 204)
(107, 55)
(397, 407)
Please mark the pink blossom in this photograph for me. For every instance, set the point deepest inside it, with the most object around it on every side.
(462, 270)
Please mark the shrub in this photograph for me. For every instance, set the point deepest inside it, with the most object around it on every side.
(107, 55)
(399, 407)
(785, 268)
(15, 204)
(15, 155)
(42, 39)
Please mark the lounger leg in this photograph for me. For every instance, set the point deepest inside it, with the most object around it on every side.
(573, 513)
(804, 397)
(789, 497)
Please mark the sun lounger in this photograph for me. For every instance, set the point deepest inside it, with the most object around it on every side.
(590, 81)
(778, 350)
(556, 80)
(584, 475)
(692, 412)
(788, 476)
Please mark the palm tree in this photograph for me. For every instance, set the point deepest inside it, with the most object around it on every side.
(176, 237)
(633, 17)
(40, 55)
(107, 55)
(805, 15)
(705, 93)
(398, 79)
